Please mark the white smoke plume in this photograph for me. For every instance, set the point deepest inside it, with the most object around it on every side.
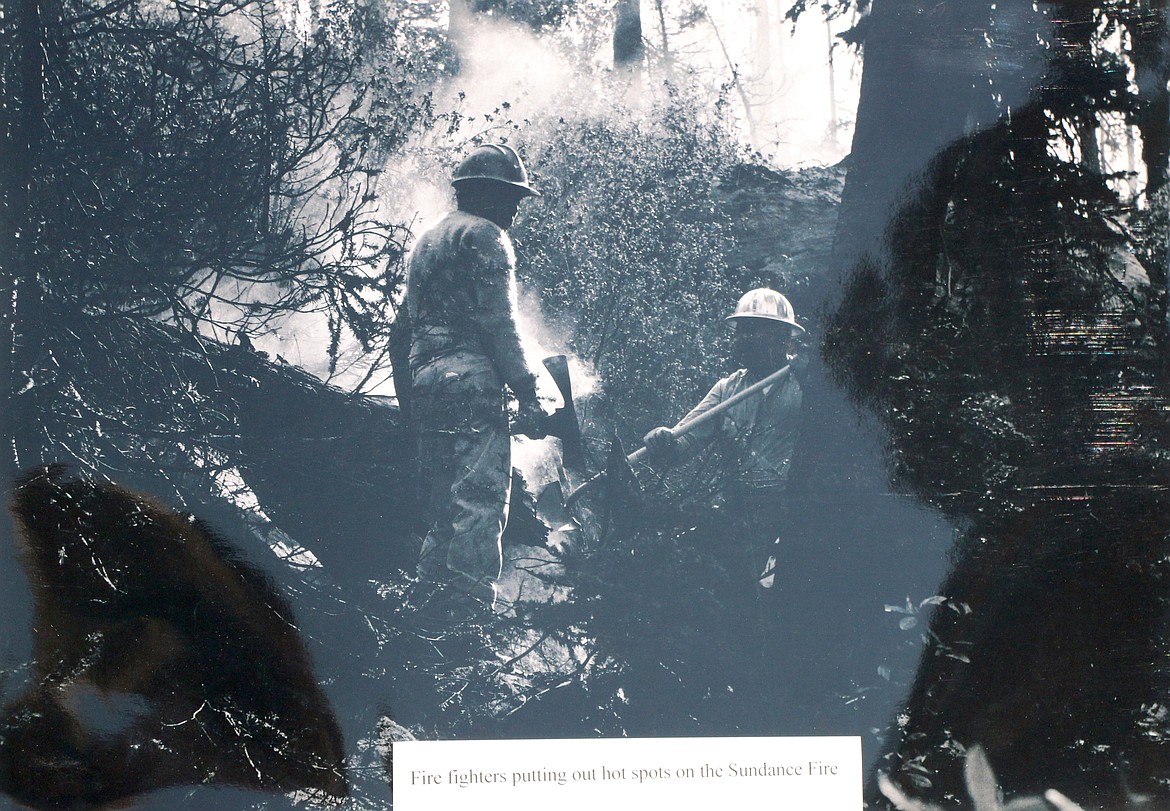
(536, 458)
(513, 86)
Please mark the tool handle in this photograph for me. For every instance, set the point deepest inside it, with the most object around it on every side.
(640, 454)
(687, 427)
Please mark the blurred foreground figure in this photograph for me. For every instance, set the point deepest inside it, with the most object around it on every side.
(465, 357)
(759, 432)
(161, 659)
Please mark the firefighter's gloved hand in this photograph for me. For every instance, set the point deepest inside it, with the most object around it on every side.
(660, 443)
(530, 420)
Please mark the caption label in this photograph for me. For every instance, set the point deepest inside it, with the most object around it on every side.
(816, 772)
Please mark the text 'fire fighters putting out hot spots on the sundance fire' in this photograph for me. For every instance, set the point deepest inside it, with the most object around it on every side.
(811, 772)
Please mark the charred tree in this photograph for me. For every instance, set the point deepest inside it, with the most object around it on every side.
(628, 48)
(22, 80)
(929, 78)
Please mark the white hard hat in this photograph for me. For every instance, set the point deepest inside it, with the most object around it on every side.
(765, 303)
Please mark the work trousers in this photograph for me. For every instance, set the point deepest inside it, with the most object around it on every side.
(465, 478)
(757, 515)
(754, 548)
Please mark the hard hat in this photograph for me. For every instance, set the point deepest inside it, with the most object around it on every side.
(765, 303)
(496, 162)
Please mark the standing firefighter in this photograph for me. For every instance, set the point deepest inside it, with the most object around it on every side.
(465, 356)
(760, 432)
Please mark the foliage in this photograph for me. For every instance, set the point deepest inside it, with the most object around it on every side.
(675, 641)
(830, 8)
(539, 15)
(631, 252)
(213, 167)
(211, 164)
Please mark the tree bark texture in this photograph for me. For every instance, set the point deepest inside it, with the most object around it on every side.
(628, 49)
(931, 75)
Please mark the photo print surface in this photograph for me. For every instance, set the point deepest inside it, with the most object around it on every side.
(380, 371)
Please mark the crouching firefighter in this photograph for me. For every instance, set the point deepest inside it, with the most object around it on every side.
(759, 433)
(464, 359)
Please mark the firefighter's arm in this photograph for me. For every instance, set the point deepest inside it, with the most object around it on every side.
(493, 317)
(668, 444)
(493, 313)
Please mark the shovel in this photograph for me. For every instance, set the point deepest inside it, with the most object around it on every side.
(686, 428)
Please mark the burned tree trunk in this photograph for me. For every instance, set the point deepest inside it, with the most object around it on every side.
(628, 49)
(930, 77)
(24, 130)
(1151, 58)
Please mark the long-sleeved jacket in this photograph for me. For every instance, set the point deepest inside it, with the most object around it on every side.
(461, 297)
(762, 430)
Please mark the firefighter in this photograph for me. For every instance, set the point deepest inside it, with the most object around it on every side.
(760, 432)
(465, 359)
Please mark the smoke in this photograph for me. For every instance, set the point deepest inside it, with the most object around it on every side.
(539, 341)
(510, 81)
(513, 86)
(503, 63)
(536, 459)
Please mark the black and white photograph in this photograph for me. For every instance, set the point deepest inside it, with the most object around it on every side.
(378, 372)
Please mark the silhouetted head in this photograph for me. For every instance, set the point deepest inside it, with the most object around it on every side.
(765, 325)
(493, 201)
(761, 346)
(490, 183)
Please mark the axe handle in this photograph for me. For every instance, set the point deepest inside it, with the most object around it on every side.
(687, 427)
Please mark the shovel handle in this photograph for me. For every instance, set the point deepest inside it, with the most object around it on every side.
(686, 427)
